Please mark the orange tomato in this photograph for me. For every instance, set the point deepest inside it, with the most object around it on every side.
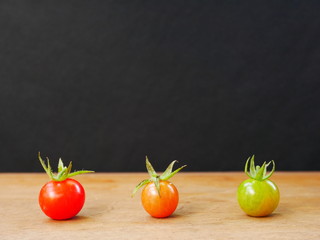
(162, 204)
(159, 197)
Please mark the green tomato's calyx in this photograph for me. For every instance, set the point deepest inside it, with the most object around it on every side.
(154, 177)
(257, 172)
(63, 171)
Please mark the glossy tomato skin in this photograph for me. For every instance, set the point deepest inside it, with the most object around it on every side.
(61, 200)
(160, 206)
(258, 198)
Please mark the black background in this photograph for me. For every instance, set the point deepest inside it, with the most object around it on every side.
(209, 83)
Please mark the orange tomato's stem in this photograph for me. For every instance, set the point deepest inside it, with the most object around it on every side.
(154, 177)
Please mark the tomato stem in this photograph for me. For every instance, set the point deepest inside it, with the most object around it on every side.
(154, 177)
(63, 171)
(257, 172)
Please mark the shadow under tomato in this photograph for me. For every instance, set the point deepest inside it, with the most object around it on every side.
(173, 216)
(73, 219)
(272, 215)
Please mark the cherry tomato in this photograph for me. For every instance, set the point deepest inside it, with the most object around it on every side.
(62, 197)
(258, 196)
(161, 204)
(159, 197)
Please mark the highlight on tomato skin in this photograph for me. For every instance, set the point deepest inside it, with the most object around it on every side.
(258, 196)
(63, 197)
(159, 197)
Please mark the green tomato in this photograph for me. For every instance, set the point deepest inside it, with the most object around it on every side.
(258, 196)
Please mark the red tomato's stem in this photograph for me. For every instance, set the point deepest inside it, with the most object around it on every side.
(63, 171)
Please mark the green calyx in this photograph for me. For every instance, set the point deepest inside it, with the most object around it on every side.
(257, 172)
(154, 177)
(63, 171)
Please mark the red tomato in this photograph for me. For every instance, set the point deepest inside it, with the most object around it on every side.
(62, 200)
(62, 197)
(163, 205)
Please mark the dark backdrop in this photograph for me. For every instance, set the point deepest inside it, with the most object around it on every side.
(209, 83)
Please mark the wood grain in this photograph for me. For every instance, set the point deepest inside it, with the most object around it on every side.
(208, 209)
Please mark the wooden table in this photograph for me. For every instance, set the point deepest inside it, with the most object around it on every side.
(208, 209)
